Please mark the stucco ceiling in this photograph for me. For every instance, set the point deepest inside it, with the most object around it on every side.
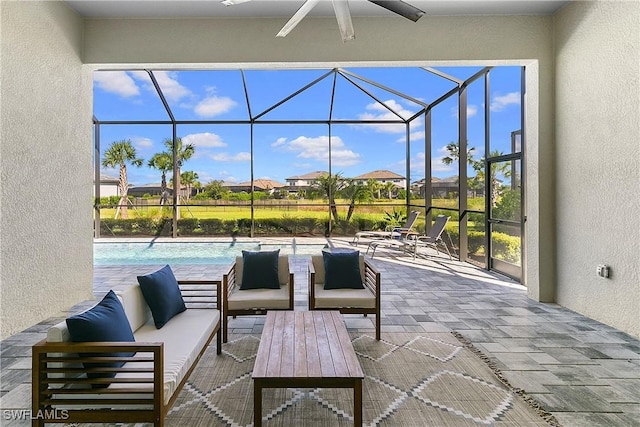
(272, 8)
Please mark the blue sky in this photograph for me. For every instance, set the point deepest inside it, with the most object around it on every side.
(222, 151)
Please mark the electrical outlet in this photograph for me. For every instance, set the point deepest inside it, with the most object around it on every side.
(603, 271)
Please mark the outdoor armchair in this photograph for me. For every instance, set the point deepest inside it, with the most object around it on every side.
(347, 301)
(237, 301)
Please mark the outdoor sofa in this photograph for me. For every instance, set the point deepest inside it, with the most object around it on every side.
(128, 382)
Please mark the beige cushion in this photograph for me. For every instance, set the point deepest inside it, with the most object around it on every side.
(135, 306)
(180, 348)
(180, 352)
(344, 298)
(283, 270)
(260, 299)
(318, 265)
(183, 336)
(340, 298)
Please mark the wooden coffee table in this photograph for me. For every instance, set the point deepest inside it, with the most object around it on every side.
(306, 349)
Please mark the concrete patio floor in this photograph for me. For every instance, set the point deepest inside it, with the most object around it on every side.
(582, 371)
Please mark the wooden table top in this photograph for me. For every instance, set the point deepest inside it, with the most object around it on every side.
(305, 344)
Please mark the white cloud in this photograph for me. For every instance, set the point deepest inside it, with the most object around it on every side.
(499, 103)
(205, 139)
(227, 177)
(318, 149)
(168, 82)
(171, 88)
(204, 176)
(413, 136)
(242, 156)
(142, 143)
(214, 106)
(378, 111)
(472, 110)
(418, 162)
(118, 82)
(280, 141)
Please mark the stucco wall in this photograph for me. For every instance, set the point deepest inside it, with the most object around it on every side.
(45, 164)
(598, 168)
(218, 43)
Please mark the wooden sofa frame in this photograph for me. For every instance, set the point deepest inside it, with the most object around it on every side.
(45, 399)
(371, 282)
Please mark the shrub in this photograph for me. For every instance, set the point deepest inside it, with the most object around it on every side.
(188, 226)
(130, 227)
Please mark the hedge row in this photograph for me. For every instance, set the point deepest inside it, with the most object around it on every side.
(240, 227)
(505, 247)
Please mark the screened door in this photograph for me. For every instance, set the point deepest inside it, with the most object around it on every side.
(504, 221)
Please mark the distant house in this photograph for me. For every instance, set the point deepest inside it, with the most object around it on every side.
(150, 189)
(382, 176)
(266, 185)
(443, 187)
(304, 181)
(108, 186)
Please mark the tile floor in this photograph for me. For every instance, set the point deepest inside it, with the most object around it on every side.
(584, 372)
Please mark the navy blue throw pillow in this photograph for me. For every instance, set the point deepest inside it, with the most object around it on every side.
(106, 321)
(162, 294)
(260, 270)
(342, 270)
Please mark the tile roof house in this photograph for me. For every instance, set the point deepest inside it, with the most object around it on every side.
(266, 185)
(382, 176)
(304, 181)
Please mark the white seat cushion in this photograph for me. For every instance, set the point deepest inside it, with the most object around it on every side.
(259, 299)
(180, 352)
(344, 298)
(183, 336)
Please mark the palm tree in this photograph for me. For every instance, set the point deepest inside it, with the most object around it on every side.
(119, 154)
(374, 187)
(389, 187)
(162, 162)
(329, 186)
(355, 192)
(183, 153)
(454, 154)
(190, 179)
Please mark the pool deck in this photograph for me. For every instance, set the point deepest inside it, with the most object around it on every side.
(584, 372)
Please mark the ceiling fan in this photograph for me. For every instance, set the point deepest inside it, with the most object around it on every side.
(343, 14)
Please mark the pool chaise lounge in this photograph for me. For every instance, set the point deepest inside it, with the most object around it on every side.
(391, 232)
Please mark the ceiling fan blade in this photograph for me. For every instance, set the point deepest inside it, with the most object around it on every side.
(297, 17)
(343, 15)
(232, 2)
(401, 8)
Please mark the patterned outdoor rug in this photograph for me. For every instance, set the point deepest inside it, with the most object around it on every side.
(426, 379)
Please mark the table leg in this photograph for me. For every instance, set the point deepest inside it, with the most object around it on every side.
(357, 402)
(257, 403)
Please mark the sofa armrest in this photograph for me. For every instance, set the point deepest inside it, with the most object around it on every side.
(57, 380)
(312, 282)
(201, 293)
(229, 284)
(372, 280)
(291, 287)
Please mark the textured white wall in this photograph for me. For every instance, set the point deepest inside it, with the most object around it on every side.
(219, 43)
(598, 160)
(45, 165)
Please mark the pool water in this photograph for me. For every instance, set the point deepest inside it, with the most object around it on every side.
(186, 253)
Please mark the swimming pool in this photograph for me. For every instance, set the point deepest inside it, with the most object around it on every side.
(187, 253)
